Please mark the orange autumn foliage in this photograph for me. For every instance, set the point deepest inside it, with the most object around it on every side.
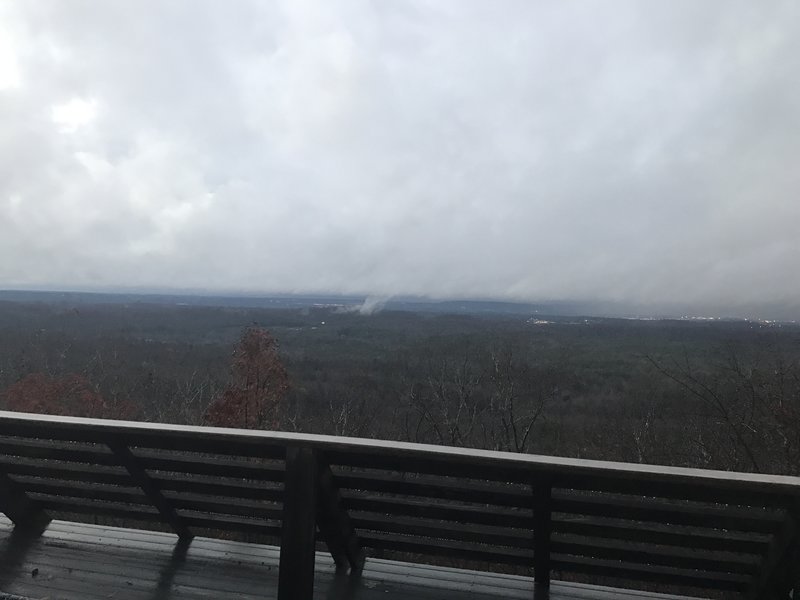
(259, 383)
(71, 394)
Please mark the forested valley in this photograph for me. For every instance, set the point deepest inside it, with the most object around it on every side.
(713, 394)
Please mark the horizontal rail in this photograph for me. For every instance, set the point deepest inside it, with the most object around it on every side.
(237, 441)
(452, 549)
(631, 531)
(652, 573)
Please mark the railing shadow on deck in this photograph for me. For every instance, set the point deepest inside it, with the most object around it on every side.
(13, 551)
(168, 572)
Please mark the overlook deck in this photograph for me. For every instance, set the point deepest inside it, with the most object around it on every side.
(693, 532)
(78, 561)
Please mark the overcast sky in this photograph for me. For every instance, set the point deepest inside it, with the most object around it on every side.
(643, 152)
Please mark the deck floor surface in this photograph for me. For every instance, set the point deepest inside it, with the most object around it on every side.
(72, 561)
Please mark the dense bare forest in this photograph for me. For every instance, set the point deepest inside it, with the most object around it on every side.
(717, 394)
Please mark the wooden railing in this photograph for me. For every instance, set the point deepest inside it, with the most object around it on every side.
(689, 528)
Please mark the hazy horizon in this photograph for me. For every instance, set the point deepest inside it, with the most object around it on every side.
(370, 303)
(620, 154)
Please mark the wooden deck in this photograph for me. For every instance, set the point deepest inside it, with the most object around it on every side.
(686, 531)
(72, 561)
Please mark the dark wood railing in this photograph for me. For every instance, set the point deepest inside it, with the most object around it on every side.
(689, 528)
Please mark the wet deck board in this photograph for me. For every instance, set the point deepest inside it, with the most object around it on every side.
(72, 561)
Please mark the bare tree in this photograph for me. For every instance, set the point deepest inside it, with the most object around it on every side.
(491, 402)
(751, 416)
(516, 402)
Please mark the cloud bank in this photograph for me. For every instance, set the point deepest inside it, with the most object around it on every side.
(614, 151)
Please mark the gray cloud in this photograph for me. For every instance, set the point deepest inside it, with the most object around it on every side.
(619, 151)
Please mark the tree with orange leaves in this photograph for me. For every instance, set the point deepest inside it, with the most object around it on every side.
(71, 394)
(259, 383)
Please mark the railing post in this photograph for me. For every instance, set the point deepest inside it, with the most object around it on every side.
(299, 527)
(785, 583)
(334, 523)
(542, 488)
(778, 569)
(793, 562)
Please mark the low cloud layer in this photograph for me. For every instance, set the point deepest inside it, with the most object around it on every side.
(616, 151)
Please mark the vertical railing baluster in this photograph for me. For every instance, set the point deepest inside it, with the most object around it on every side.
(299, 527)
(542, 489)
